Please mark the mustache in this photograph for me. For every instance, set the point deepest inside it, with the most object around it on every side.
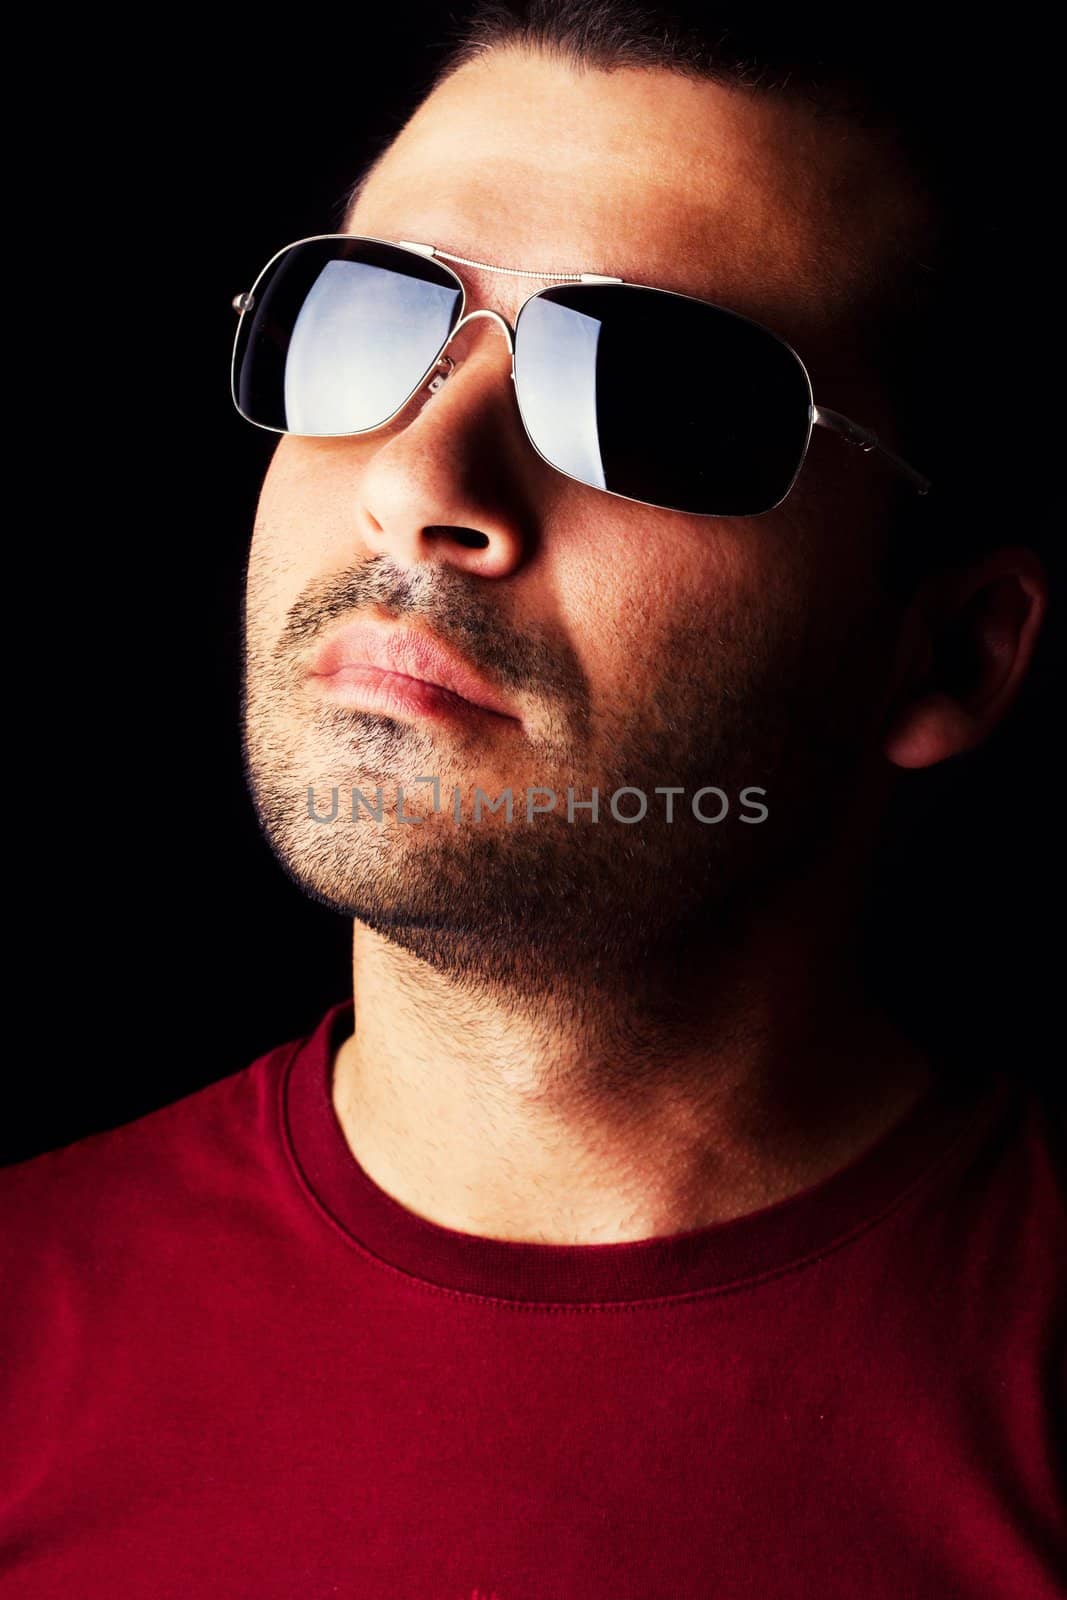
(455, 609)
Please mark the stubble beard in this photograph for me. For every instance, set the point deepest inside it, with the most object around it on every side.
(548, 907)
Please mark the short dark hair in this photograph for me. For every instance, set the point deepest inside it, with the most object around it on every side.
(958, 336)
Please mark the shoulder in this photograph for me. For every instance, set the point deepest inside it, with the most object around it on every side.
(1002, 1213)
(1031, 1135)
(1038, 1137)
(107, 1184)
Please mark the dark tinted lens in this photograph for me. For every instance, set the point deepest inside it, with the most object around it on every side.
(661, 398)
(339, 333)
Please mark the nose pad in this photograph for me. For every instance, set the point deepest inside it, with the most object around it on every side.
(435, 383)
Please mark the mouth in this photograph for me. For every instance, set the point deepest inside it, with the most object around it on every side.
(404, 672)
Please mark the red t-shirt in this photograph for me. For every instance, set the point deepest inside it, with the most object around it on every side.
(235, 1367)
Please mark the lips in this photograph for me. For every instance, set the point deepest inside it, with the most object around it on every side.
(411, 653)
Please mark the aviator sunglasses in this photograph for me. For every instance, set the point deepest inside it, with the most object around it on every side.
(646, 394)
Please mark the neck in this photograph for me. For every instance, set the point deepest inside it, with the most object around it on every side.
(614, 1114)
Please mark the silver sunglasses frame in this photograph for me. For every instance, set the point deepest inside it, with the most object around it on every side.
(818, 416)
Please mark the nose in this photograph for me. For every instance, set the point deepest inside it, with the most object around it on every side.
(454, 481)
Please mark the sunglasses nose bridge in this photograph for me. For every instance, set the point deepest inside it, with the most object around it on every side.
(444, 366)
(509, 332)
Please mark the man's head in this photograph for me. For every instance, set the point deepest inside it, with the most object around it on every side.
(794, 653)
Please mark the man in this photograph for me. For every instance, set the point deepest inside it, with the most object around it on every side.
(614, 1239)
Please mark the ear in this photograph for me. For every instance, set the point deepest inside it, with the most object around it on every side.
(963, 651)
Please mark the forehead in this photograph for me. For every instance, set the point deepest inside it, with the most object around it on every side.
(523, 160)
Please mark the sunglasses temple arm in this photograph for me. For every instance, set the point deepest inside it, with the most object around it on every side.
(868, 441)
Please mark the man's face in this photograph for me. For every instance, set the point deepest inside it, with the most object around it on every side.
(634, 647)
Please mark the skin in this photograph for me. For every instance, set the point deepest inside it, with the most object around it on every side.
(578, 1033)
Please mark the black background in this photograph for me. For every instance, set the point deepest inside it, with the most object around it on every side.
(159, 946)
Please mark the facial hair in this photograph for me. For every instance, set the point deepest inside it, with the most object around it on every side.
(743, 701)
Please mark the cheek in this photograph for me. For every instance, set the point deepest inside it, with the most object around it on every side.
(303, 527)
(674, 600)
(276, 576)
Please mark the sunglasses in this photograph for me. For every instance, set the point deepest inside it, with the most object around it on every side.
(648, 395)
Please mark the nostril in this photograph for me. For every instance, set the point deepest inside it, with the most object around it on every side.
(470, 538)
